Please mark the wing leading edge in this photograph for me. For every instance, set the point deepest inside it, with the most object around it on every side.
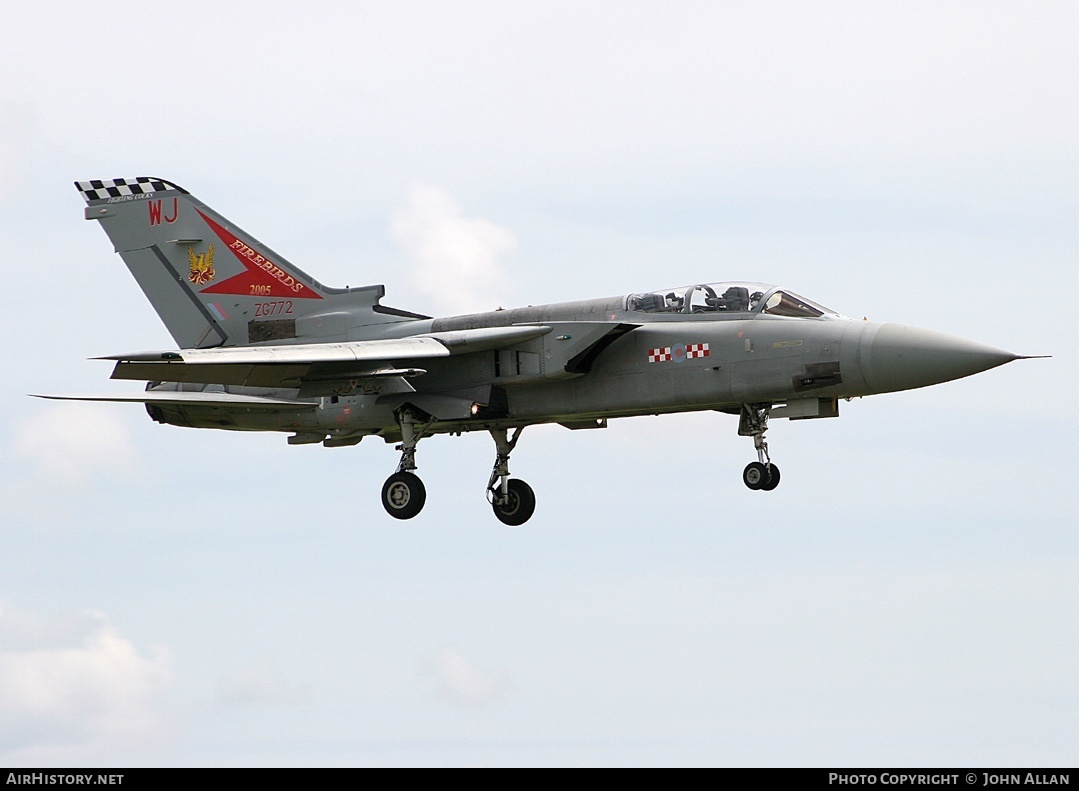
(301, 364)
(199, 399)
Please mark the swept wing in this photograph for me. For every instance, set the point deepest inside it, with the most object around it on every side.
(296, 365)
(199, 399)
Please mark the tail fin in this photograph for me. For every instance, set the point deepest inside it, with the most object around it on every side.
(211, 283)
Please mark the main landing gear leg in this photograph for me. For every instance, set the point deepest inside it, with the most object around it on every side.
(403, 494)
(512, 499)
(760, 474)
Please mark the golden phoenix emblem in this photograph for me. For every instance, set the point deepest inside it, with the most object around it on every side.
(202, 266)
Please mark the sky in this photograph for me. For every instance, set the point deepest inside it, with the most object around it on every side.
(906, 597)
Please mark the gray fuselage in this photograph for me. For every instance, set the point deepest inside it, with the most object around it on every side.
(660, 362)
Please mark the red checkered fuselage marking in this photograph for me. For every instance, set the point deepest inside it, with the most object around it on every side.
(665, 354)
(696, 350)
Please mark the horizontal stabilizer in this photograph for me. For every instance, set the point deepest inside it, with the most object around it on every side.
(198, 399)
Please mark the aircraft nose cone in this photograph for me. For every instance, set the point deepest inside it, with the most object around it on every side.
(902, 358)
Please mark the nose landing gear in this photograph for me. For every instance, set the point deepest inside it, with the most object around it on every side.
(761, 474)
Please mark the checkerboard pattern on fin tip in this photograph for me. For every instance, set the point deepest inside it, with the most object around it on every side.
(100, 189)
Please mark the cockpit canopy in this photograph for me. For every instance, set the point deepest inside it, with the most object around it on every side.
(729, 299)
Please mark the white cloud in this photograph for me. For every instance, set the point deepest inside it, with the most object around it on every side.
(59, 455)
(455, 261)
(76, 684)
(463, 683)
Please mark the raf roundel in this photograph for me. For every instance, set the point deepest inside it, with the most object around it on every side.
(680, 352)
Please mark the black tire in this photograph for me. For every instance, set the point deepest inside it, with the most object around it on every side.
(773, 481)
(519, 505)
(755, 475)
(403, 495)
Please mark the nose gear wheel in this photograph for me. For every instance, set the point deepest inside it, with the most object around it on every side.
(760, 475)
(763, 477)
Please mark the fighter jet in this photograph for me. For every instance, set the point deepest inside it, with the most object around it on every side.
(262, 346)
